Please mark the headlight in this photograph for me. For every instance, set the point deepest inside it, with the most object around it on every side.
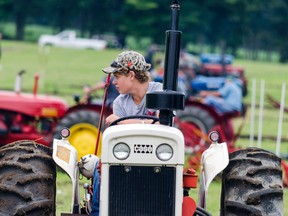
(164, 152)
(121, 151)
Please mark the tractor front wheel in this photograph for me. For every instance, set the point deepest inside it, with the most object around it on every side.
(27, 179)
(252, 184)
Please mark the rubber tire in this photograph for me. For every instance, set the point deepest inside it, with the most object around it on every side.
(201, 212)
(200, 118)
(252, 184)
(76, 117)
(27, 179)
(79, 117)
(197, 116)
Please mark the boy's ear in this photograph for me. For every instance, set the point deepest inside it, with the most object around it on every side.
(132, 74)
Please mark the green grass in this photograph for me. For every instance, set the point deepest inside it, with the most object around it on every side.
(63, 72)
(273, 75)
(64, 192)
(59, 69)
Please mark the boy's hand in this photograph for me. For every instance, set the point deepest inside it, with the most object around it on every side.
(111, 118)
(204, 93)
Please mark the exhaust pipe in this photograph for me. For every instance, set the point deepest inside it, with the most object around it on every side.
(18, 81)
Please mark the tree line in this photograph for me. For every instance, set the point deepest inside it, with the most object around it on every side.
(251, 24)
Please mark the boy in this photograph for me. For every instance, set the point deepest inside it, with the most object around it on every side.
(131, 78)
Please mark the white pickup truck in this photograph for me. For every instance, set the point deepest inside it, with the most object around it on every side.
(69, 39)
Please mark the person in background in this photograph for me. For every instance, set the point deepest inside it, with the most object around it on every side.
(112, 91)
(227, 99)
(149, 57)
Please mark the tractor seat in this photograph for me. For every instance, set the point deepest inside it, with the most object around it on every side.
(236, 114)
(233, 114)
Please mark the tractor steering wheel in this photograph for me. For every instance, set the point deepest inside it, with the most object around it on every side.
(155, 119)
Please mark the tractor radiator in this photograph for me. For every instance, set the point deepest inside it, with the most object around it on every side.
(142, 191)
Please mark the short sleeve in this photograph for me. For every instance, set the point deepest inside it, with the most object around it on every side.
(117, 108)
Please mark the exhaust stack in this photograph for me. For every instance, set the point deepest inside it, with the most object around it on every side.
(169, 99)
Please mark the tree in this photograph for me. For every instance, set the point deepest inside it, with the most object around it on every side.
(279, 20)
(254, 24)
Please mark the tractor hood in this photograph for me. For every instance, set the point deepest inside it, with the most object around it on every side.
(32, 105)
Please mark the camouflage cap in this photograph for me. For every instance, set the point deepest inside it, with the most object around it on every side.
(128, 60)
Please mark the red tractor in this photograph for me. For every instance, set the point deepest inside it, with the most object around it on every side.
(28, 116)
(39, 117)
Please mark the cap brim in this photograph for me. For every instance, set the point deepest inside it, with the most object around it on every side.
(109, 70)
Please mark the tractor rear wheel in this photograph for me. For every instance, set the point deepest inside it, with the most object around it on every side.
(27, 179)
(252, 184)
(83, 125)
(195, 124)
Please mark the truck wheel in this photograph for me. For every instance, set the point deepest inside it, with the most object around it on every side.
(195, 124)
(83, 125)
(27, 179)
(252, 184)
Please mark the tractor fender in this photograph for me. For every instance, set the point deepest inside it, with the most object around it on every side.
(92, 107)
(209, 109)
(218, 117)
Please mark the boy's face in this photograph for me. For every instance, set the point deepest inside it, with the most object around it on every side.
(122, 82)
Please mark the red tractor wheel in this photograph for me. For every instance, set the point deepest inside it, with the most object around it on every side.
(27, 179)
(252, 184)
(195, 124)
(83, 125)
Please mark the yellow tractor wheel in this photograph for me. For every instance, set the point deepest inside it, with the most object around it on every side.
(83, 137)
(83, 125)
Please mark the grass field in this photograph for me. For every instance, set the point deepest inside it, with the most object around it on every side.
(63, 72)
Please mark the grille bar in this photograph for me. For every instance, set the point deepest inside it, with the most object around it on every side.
(142, 191)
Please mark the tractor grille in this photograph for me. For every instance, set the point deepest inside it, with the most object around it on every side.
(142, 191)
